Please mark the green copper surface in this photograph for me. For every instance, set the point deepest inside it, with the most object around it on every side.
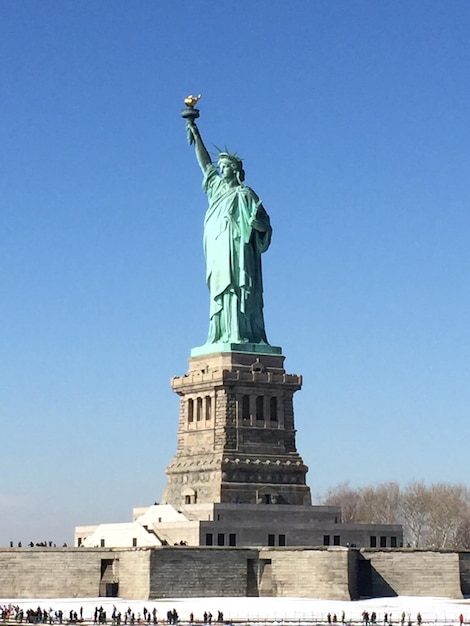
(252, 348)
(237, 231)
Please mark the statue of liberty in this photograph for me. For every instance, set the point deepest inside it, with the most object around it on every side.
(236, 232)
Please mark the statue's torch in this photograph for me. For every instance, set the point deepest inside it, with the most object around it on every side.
(190, 113)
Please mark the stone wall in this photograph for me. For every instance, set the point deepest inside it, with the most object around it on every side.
(134, 573)
(199, 572)
(464, 566)
(334, 573)
(48, 573)
(306, 573)
(303, 572)
(414, 573)
(73, 572)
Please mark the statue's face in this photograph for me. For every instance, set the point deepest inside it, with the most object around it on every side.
(226, 169)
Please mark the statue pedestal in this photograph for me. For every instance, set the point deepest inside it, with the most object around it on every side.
(236, 435)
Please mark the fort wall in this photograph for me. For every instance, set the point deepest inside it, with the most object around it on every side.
(414, 572)
(134, 574)
(199, 572)
(464, 566)
(184, 571)
(48, 573)
(305, 573)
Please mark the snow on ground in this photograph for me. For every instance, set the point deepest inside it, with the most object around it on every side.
(434, 610)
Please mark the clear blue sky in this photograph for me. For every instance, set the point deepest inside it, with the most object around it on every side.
(352, 118)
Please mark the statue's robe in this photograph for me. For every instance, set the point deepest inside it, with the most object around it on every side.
(233, 249)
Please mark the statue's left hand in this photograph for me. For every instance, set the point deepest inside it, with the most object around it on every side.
(257, 224)
(259, 219)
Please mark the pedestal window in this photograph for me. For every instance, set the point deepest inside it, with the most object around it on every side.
(246, 408)
(199, 409)
(273, 409)
(208, 403)
(260, 408)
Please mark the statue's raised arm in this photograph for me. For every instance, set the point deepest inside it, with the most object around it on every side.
(194, 136)
(237, 231)
(190, 114)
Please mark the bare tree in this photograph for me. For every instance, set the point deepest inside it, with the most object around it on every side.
(449, 506)
(345, 497)
(381, 504)
(434, 516)
(415, 514)
(462, 537)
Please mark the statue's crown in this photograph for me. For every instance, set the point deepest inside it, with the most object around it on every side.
(233, 158)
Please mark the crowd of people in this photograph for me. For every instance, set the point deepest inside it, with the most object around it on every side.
(403, 620)
(38, 544)
(15, 614)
